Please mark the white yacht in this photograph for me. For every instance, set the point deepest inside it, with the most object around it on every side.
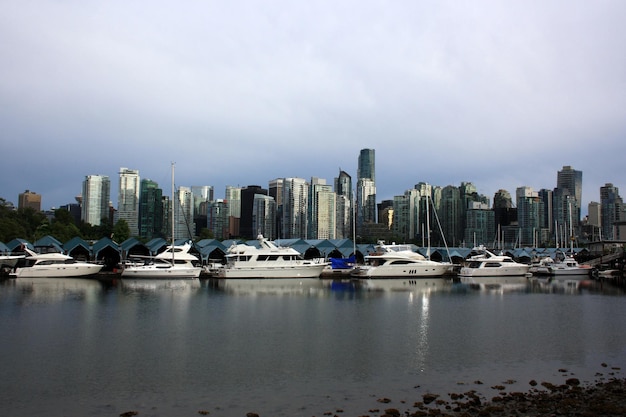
(486, 264)
(268, 261)
(399, 261)
(174, 263)
(53, 265)
(567, 267)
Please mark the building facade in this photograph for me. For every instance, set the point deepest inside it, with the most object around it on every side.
(128, 199)
(29, 199)
(151, 216)
(295, 204)
(95, 200)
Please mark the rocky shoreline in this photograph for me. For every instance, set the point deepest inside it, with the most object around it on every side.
(606, 396)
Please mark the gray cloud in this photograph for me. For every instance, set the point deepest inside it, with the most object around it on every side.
(499, 94)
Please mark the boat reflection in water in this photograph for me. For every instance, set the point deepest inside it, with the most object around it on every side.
(500, 283)
(305, 286)
(547, 284)
(159, 284)
(403, 284)
(56, 289)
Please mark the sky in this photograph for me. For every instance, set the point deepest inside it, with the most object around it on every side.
(502, 94)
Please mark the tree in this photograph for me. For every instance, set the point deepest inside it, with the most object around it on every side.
(121, 231)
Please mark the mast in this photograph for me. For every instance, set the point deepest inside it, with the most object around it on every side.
(428, 226)
(173, 209)
(571, 229)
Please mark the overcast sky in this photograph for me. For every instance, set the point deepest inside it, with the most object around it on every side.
(502, 94)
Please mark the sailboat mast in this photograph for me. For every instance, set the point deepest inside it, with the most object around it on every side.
(173, 209)
(428, 225)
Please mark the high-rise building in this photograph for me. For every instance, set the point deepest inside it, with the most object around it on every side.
(594, 221)
(246, 227)
(264, 216)
(184, 225)
(202, 196)
(405, 223)
(218, 219)
(528, 215)
(322, 210)
(95, 199)
(276, 191)
(366, 188)
(450, 215)
(128, 199)
(564, 217)
(29, 199)
(426, 215)
(366, 167)
(572, 180)
(295, 205)
(345, 206)
(151, 216)
(612, 207)
(479, 224)
(233, 205)
(366, 202)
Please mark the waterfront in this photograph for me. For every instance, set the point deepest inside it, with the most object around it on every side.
(78, 347)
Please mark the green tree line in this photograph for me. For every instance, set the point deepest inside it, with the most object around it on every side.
(31, 225)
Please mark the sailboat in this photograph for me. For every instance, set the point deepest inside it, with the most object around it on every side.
(564, 266)
(174, 263)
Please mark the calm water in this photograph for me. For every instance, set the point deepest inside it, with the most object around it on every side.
(80, 347)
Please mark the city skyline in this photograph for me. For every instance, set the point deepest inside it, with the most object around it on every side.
(223, 195)
(498, 94)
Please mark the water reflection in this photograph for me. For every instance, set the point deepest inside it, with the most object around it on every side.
(54, 289)
(283, 286)
(149, 285)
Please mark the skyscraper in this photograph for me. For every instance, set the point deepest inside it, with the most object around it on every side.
(128, 199)
(246, 227)
(611, 208)
(366, 188)
(528, 215)
(233, 205)
(366, 167)
(264, 216)
(295, 205)
(184, 225)
(345, 206)
(151, 218)
(321, 210)
(95, 199)
(572, 180)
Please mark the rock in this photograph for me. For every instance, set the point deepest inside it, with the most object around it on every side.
(573, 382)
(429, 398)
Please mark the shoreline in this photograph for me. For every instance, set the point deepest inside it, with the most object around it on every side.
(605, 396)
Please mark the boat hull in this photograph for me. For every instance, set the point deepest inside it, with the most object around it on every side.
(151, 272)
(494, 272)
(57, 271)
(415, 271)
